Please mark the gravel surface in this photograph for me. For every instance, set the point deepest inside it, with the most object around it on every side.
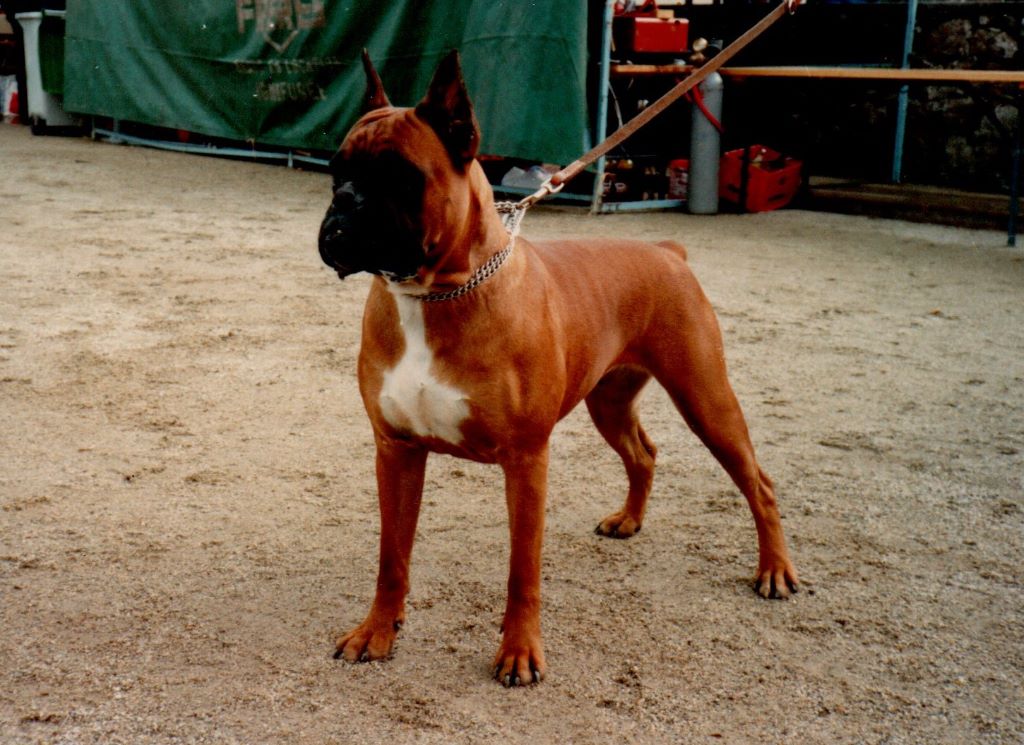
(188, 509)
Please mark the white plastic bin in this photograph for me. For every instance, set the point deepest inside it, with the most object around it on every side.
(43, 108)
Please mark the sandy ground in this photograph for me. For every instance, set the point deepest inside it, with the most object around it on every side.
(189, 514)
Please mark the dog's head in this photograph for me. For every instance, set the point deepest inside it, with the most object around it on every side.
(402, 179)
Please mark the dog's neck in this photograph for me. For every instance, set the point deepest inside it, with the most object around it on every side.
(481, 230)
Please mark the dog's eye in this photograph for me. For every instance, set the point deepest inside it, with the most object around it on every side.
(382, 178)
(401, 179)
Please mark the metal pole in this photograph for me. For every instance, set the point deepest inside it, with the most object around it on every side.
(901, 103)
(1011, 228)
(604, 80)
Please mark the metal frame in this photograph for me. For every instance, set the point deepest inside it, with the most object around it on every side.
(116, 137)
(597, 203)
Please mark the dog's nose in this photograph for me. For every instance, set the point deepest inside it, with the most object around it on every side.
(332, 235)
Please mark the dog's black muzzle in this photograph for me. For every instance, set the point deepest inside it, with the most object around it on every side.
(336, 245)
(356, 240)
(340, 238)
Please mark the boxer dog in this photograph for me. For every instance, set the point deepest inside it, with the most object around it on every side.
(476, 344)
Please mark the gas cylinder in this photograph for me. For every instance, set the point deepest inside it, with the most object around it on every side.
(705, 150)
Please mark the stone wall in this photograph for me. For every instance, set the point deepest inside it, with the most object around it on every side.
(962, 135)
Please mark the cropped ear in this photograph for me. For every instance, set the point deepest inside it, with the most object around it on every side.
(449, 112)
(375, 97)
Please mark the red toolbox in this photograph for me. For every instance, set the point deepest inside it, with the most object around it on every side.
(772, 178)
(651, 35)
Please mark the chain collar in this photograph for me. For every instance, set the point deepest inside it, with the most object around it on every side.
(479, 276)
(511, 215)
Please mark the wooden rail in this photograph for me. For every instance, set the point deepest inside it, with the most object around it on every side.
(1010, 77)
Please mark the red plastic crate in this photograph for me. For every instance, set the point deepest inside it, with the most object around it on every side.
(772, 182)
(652, 35)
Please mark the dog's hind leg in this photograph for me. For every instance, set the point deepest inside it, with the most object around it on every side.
(694, 374)
(612, 406)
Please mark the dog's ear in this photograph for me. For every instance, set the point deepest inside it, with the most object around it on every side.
(375, 97)
(447, 109)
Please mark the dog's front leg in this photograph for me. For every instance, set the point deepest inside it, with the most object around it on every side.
(400, 469)
(520, 658)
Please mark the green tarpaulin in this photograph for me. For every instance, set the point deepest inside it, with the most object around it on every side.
(287, 72)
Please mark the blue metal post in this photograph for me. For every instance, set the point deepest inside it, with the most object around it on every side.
(601, 125)
(901, 104)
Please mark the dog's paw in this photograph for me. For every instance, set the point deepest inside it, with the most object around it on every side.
(370, 640)
(618, 525)
(778, 581)
(519, 663)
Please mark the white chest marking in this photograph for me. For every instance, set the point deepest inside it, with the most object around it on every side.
(412, 398)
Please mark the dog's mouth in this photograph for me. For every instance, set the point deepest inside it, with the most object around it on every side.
(399, 278)
(343, 270)
(394, 256)
(391, 273)
(396, 277)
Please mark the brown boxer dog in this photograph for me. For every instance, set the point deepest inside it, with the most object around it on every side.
(476, 345)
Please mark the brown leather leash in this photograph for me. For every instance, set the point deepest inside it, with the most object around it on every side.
(695, 78)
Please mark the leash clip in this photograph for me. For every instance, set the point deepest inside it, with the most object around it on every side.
(546, 189)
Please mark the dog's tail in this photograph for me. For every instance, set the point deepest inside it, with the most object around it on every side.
(674, 246)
